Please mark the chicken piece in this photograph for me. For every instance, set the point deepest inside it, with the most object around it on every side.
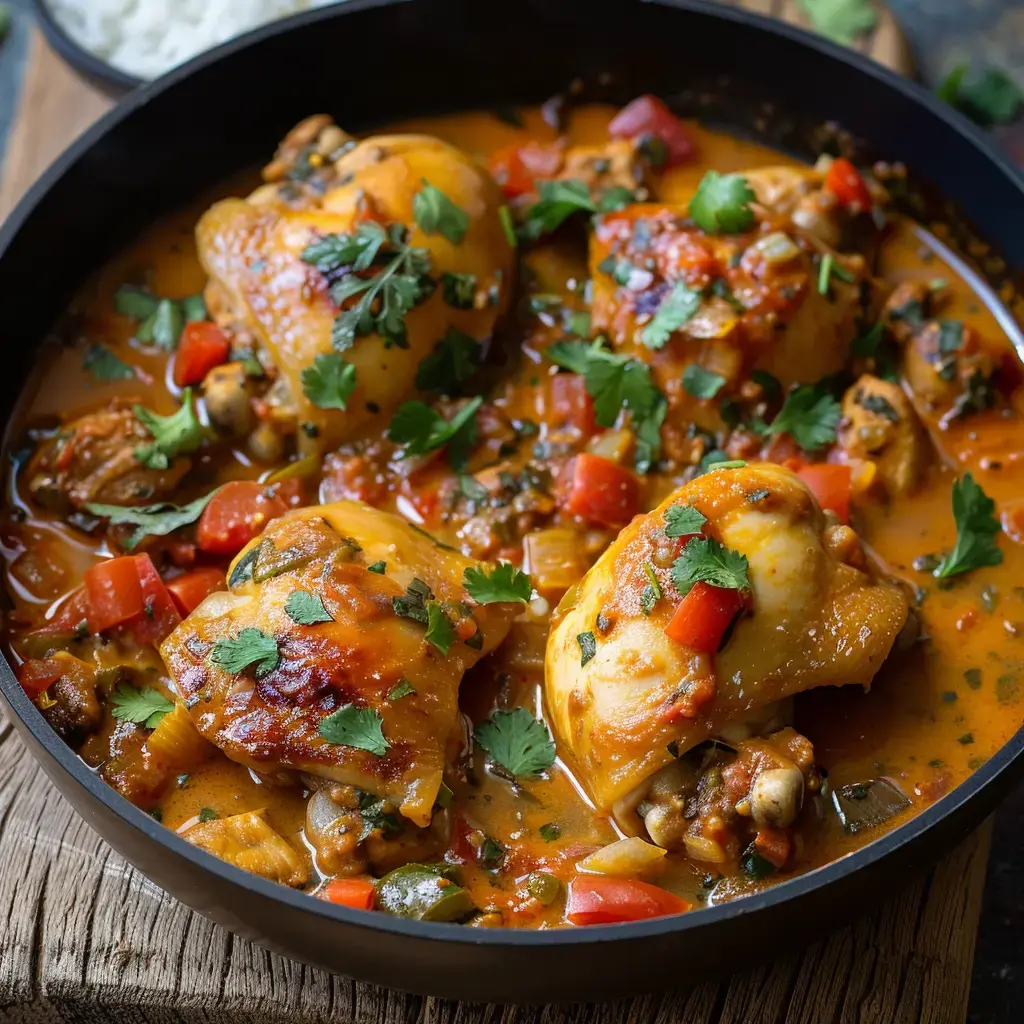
(261, 683)
(817, 619)
(93, 459)
(253, 248)
(879, 425)
(248, 842)
(761, 303)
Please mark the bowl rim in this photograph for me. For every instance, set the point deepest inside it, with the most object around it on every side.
(908, 834)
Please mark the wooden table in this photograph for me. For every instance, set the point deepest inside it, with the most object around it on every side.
(88, 939)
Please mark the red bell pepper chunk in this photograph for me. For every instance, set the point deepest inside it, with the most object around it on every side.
(159, 613)
(830, 485)
(703, 616)
(843, 180)
(38, 674)
(190, 589)
(203, 346)
(600, 899)
(237, 513)
(114, 593)
(357, 893)
(601, 491)
(516, 167)
(571, 403)
(647, 115)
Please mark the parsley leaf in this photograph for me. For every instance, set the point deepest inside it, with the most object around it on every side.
(151, 520)
(503, 583)
(252, 648)
(350, 726)
(143, 707)
(706, 560)
(454, 360)
(676, 308)
(103, 365)
(436, 214)
(976, 530)
(588, 646)
(559, 200)
(306, 609)
(329, 382)
(403, 688)
(421, 430)
(458, 290)
(516, 741)
(810, 415)
(842, 21)
(989, 98)
(683, 521)
(702, 383)
(173, 435)
(440, 631)
(722, 203)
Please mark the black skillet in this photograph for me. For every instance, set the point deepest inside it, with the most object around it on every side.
(370, 63)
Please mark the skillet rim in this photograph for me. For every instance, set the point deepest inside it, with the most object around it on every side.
(1004, 768)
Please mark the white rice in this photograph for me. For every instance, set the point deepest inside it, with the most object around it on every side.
(147, 37)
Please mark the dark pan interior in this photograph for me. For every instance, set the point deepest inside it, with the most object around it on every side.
(368, 63)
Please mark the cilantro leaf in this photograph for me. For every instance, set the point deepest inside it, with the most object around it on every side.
(702, 383)
(454, 360)
(375, 817)
(166, 325)
(350, 726)
(403, 688)
(559, 200)
(440, 631)
(160, 320)
(618, 197)
(588, 646)
(306, 609)
(458, 290)
(173, 435)
(143, 707)
(841, 20)
(134, 302)
(151, 520)
(722, 203)
(422, 429)
(990, 98)
(413, 603)
(208, 814)
(810, 415)
(507, 226)
(516, 741)
(329, 382)
(103, 365)
(378, 567)
(570, 354)
(976, 530)
(436, 214)
(706, 560)
(683, 521)
(676, 308)
(252, 648)
(503, 583)
(549, 832)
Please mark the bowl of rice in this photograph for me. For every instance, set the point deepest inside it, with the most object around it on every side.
(120, 44)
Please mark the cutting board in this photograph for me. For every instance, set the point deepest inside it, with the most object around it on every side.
(88, 939)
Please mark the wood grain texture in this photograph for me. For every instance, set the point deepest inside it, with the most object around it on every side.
(88, 940)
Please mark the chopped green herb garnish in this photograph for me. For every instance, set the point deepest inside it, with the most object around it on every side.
(350, 726)
(810, 415)
(421, 430)
(842, 21)
(174, 435)
(683, 520)
(502, 583)
(458, 290)
(676, 308)
(455, 358)
(306, 609)
(440, 631)
(329, 382)
(143, 707)
(508, 226)
(208, 814)
(252, 648)
(378, 567)
(588, 646)
(702, 383)
(150, 520)
(516, 741)
(403, 688)
(101, 364)
(706, 560)
(722, 203)
(549, 832)
(976, 530)
(989, 98)
(558, 201)
(436, 214)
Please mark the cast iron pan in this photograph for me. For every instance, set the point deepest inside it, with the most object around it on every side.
(369, 63)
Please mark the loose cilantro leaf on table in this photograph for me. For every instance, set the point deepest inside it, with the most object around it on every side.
(558, 201)
(306, 609)
(676, 308)
(705, 560)
(841, 20)
(252, 648)
(810, 415)
(143, 707)
(103, 365)
(174, 435)
(151, 520)
(436, 214)
(516, 741)
(503, 583)
(422, 429)
(702, 383)
(722, 203)
(976, 530)
(683, 521)
(989, 98)
(361, 728)
(329, 382)
(455, 358)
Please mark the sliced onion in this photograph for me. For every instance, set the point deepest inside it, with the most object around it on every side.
(614, 445)
(553, 558)
(706, 850)
(777, 248)
(625, 858)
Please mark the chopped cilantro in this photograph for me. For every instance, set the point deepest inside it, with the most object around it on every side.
(208, 814)
(329, 382)
(976, 530)
(306, 609)
(173, 435)
(558, 201)
(503, 583)
(722, 203)
(588, 647)
(350, 726)
(150, 520)
(702, 383)
(440, 631)
(143, 707)
(436, 214)
(453, 361)
(458, 289)
(378, 567)
(421, 430)
(403, 688)
(252, 648)
(810, 415)
(549, 832)
(683, 520)
(101, 364)
(706, 560)
(516, 741)
(676, 308)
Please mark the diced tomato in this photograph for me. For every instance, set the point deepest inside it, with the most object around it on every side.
(159, 614)
(571, 403)
(773, 844)
(237, 513)
(190, 589)
(70, 615)
(830, 485)
(843, 180)
(37, 674)
(601, 899)
(357, 893)
(647, 115)
(703, 616)
(114, 592)
(515, 168)
(203, 346)
(601, 491)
